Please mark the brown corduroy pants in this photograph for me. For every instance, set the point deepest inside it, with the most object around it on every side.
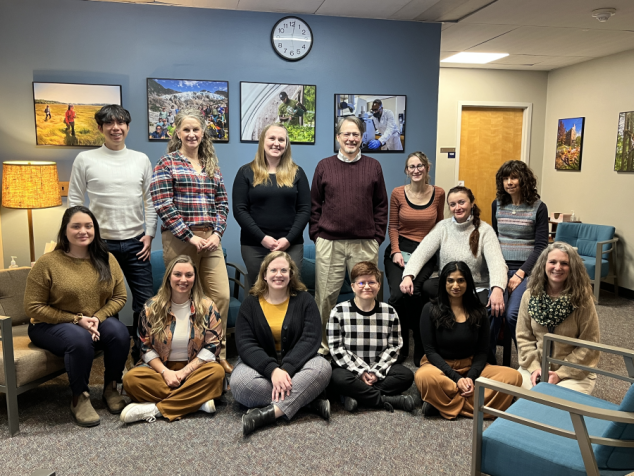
(443, 393)
(144, 384)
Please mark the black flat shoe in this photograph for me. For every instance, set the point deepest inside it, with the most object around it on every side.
(429, 410)
(398, 402)
(257, 418)
(322, 407)
(350, 404)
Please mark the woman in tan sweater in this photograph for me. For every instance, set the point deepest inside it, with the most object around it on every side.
(558, 300)
(71, 294)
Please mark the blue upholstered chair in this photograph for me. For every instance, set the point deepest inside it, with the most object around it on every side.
(551, 430)
(593, 242)
(238, 282)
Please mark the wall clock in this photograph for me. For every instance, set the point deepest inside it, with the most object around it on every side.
(292, 38)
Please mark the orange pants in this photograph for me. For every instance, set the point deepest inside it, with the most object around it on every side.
(443, 393)
(144, 384)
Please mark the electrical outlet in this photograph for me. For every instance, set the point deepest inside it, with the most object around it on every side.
(63, 189)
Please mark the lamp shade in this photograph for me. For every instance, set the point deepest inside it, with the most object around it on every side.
(28, 184)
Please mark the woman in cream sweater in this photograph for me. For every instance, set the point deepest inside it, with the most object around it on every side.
(558, 300)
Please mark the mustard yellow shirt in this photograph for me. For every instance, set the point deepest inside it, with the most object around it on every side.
(275, 314)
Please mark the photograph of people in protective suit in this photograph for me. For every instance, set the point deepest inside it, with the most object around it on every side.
(384, 118)
(292, 105)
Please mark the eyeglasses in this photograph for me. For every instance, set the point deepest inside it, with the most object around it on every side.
(411, 168)
(363, 284)
(354, 135)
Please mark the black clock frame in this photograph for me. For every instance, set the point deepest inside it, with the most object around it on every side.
(292, 60)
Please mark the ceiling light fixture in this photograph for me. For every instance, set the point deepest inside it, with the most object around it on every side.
(603, 14)
(474, 58)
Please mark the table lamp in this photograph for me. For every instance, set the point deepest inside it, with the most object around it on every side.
(30, 185)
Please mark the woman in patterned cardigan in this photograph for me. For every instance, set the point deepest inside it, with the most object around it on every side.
(180, 334)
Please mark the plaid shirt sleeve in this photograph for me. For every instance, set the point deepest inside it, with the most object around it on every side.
(394, 344)
(162, 192)
(340, 354)
(222, 204)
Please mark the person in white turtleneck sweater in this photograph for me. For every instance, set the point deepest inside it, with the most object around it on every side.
(463, 237)
(117, 181)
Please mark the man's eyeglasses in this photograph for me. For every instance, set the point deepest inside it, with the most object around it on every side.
(363, 284)
(354, 135)
(415, 167)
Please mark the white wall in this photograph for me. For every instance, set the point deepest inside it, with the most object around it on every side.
(597, 90)
(486, 85)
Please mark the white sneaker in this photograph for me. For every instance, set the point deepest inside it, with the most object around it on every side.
(208, 407)
(139, 411)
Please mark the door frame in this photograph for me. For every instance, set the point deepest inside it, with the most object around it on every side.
(526, 126)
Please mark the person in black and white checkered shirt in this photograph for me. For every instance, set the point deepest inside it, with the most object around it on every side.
(364, 337)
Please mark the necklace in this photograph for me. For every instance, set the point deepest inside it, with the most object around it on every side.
(75, 256)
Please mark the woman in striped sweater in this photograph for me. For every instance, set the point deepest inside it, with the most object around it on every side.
(414, 210)
(520, 219)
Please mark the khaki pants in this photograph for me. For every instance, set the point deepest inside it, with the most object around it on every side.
(332, 259)
(212, 271)
(443, 393)
(144, 384)
(584, 386)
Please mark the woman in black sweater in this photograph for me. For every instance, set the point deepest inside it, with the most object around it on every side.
(455, 333)
(271, 202)
(278, 332)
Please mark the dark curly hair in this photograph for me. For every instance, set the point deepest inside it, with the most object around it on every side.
(441, 313)
(528, 182)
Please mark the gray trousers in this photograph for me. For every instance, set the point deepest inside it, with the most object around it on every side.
(254, 255)
(254, 390)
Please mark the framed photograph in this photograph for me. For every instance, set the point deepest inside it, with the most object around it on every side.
(166, 97)
(384, 118)
(569, 144)
(293, 105)
(65, 112)
(624, 160)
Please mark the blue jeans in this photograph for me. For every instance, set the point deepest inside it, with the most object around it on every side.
(75, 344)
(511, 310)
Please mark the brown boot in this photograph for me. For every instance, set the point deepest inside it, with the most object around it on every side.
(83, 413)
(226, 366)
(114, 402)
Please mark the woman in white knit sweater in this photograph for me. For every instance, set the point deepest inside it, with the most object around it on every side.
(463, 237)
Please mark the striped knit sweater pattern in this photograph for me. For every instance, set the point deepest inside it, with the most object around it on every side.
(516, 230)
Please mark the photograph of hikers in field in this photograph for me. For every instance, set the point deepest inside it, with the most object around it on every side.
(166, 97)
(292, 105)
(65, 113)
(569, 144)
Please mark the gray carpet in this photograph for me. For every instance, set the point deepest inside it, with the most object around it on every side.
(366, 443)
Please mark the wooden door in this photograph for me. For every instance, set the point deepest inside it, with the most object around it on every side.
(488, 138)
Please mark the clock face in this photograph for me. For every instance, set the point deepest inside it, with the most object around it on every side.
(292, 38)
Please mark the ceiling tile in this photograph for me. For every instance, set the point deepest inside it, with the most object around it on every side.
(559, 13)
(361, 8)
(451, 9)
(220, 4)
(559, 42)
(413, 9)
(285, 6)
(462, 36)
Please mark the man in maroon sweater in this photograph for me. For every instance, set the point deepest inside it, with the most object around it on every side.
(348, 215)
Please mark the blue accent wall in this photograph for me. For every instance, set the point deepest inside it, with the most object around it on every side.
(118, 43)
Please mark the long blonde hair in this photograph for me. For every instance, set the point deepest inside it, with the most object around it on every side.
(159, 317)
(578, 283)
(295, 284)
(286, 169)
(206, 152)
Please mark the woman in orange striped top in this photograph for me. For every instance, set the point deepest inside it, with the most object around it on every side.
(414, 210)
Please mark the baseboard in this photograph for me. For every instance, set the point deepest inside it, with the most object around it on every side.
(623, 292)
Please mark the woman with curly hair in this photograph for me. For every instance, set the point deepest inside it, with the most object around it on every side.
(271, 201)
(463, 237)
(520, 219)
(558, 300)
(190, 197)
(455, 333)
(278, 333)
(180, 335)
